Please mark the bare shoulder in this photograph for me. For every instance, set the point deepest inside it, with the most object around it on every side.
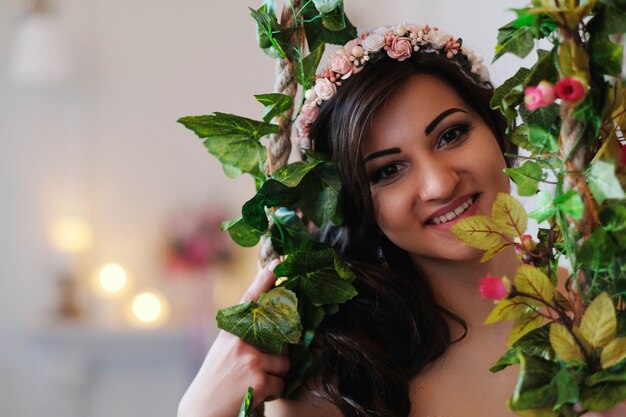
(308, 405)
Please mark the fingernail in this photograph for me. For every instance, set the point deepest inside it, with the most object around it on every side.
(273, 264)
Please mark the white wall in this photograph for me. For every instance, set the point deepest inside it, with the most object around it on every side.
(107, 145)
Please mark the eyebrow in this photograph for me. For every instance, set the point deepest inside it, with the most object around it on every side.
(381, 153)
(432, 125)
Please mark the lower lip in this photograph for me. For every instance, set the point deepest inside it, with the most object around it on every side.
(471, 210)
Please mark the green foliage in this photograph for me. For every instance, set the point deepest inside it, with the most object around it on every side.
(305, 72)
(526, 177)
(603, 182)
(275, 104)
(326, 27)
(268, 323)
(516, 40)
(241, 233)
(246, 404)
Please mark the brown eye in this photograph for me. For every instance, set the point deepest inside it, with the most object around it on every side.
(386, 172)
(451, 135)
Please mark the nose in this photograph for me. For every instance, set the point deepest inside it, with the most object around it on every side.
(438, 179)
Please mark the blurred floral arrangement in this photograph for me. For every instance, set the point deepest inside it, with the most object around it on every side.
(194, 241)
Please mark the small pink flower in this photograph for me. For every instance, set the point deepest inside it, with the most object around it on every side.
(309, 112)
(341, 64)
(400, 48)
(493, 288)
(540, 96)
(570, 90)
(348, 47)
(324, 88)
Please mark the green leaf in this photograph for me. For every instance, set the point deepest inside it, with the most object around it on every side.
(272, 37)
(599, 323)
(518, 41)
(534, 384)
(532, 281)
(317, 33)
(570, 203)
(326, 6)
(292, 174)
(241, 233)
(526, 177)
(246, 404)
(615, 373)
(272, 194)
(602, 181)
(523, 325)
(545, 207)
(319, 194)
(289, 232)
(564, 344)
(567, 388)
(544, 116)
(480, 232)
(534, 343)
(604, 54)
(509, 215)
(508, 309)
(510, 88)
(234, 140)
(597, 252)
(305, 70)
(275, 104)
(519, 137)
(603, 396)
(615, 20)
(315, 274)
(543, 138)
(613, 218)
(266, 324)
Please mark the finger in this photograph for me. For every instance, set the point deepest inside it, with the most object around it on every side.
(264, 281)
(270, 389)
(277, 365)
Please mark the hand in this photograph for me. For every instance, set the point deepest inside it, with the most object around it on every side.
(617, 411)
(232, 365)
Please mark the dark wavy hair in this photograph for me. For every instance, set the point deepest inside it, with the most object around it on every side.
(394, 328)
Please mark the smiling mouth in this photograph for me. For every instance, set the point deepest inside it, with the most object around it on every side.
(453, 214)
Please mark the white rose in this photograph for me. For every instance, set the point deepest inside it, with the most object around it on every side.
(380, 30)
(373, 43)
(324, 89)
(438, 38)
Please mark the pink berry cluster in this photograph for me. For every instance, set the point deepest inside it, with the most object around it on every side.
(568, 89)
(396, 42)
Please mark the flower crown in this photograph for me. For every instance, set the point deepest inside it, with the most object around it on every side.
(397, 42)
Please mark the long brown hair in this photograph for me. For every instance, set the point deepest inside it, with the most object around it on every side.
(394, 328)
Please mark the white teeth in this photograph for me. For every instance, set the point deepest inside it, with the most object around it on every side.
(453, 214)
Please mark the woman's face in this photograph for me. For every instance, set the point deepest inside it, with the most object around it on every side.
(431, 160)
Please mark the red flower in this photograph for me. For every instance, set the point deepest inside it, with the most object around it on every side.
(570, 89)
(494, 288)
(622, 153)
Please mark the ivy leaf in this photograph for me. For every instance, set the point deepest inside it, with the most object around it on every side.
(270, 34)
(519, 137)
(599, 323)
(266, 324)
(567, 388)
(534, 343)
(544, 116)
(480, 232)
(602, 181)
(613, 353)
(545, 207)
(518, 41)
(543, 138)
(564, 344)
(532, 281)
(246, 404)
(508, 309)
(523, 325)
(534, 387)
(613, 218)
(271, 194)
(510, 88)
(305, 70)
(234, 140)
(615, 373)
(615, 20)
(509, 215)
(275, 104)
(241, 233)
(494, 250)
(598, 251)
(289, 232)
(526, 177)
(292, 174)
(319, 194)
(317, 33)
(603, 396)
(326, 6)
(320, 275)
(570, 203)
(603, 53)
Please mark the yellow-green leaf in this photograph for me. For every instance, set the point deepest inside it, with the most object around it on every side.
(508, 309)
(522, 325)
(494, 250)
(532, 281)
(614, 352)
(478, 231)
(509, 215)
(564, 344)
(599, 323)
(537, 412)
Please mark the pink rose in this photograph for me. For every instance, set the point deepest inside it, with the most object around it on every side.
(309, 112)
(348, 47)
(341, 64)
(493, 288)
(400, 48)
(540, 96)
(570, 89)
(324, 89)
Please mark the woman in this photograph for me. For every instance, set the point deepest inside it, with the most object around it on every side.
(418, 147)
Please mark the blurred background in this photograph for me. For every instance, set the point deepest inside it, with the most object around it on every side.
(112, 263)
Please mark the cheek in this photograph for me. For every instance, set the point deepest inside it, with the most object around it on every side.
(391, 208)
